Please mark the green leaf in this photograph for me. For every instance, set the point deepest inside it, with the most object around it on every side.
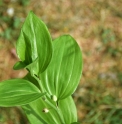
(63, 74)
(75, 123)
(33, 67)
(16, 92)
(68, 110)
(65, 113)
(34, 42)
(19, 65)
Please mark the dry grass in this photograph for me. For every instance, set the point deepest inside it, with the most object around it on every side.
(97, 27)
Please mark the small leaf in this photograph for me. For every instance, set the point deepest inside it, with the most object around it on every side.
(16, 92)
(32, 68)
(62, 76)
(65, 113)
(34, 42)
(19, 65)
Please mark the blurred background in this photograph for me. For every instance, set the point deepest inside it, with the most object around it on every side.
(97, 27)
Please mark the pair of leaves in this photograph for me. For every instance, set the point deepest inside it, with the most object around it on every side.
(66, 109)
(34, 47)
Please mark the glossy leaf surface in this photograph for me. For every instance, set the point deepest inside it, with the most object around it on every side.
(16, 92)
(64, 71)
(34, 42)
(64, 114)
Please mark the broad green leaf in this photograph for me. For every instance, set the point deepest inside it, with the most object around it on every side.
(16, 92)
(65, 113)
(63, 74)
(34, 42)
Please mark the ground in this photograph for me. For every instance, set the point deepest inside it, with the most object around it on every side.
(97, 27)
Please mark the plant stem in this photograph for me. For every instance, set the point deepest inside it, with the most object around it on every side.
(48, 101)
(38, 80)
(57, 110)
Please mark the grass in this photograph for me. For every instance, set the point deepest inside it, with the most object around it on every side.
(96, 25)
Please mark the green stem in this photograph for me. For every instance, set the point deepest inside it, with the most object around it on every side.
(48, 102)
(57, 110)
(38, 80)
